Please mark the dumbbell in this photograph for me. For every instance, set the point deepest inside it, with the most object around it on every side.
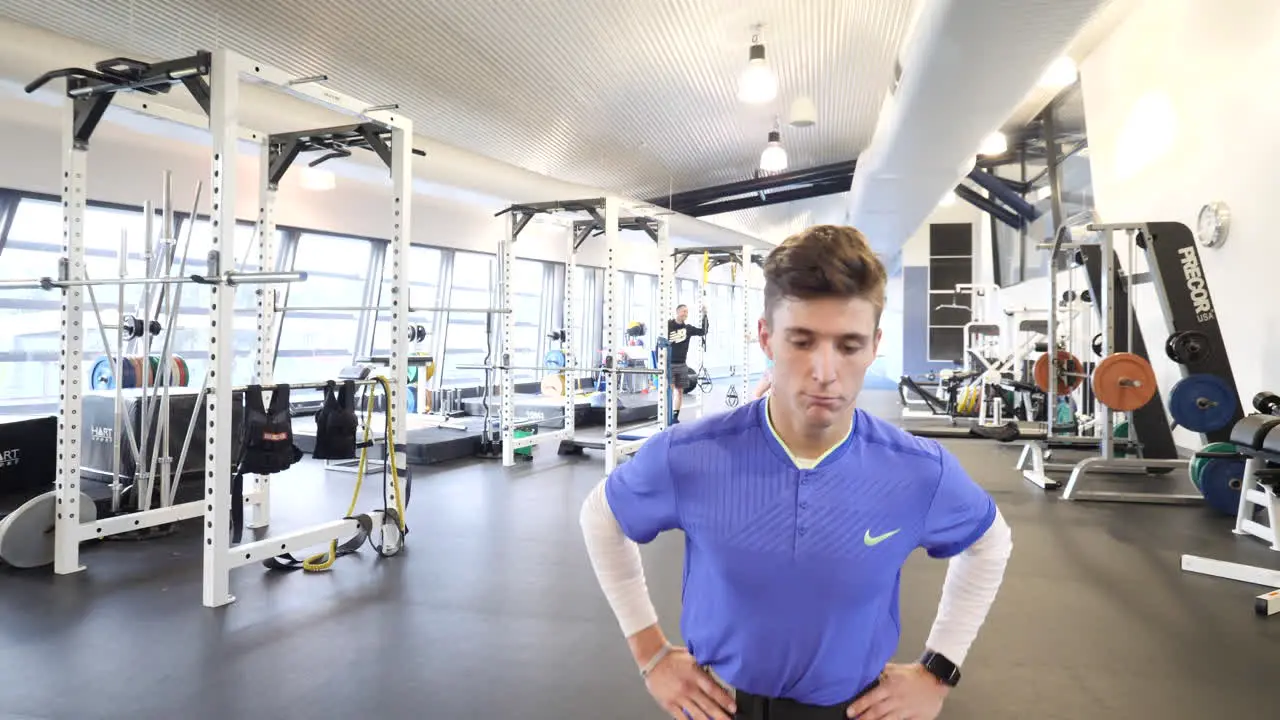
(135, 327)
(1267, 402)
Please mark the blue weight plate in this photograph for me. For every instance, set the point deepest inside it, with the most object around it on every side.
(100, 375)
(1189, 393)
(554, 358)
(1221, 481)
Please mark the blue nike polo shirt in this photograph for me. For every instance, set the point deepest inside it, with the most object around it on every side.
(793, 567)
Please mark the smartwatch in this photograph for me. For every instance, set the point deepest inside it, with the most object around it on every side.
(946, 671)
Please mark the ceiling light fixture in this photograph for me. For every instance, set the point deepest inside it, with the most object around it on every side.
(803, 113)
(774, 157)
(994, 144)
(1059, 74)
(757, 84)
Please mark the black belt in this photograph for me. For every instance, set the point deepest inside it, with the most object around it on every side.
(760, 707)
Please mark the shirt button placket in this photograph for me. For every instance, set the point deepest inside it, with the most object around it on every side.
(803, 502)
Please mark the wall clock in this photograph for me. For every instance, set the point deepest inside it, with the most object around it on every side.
(1212, 224)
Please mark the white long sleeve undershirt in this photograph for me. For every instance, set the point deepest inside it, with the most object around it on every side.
(972, 581)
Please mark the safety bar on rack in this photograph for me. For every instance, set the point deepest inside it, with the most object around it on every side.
(557, 368)
(230, 278)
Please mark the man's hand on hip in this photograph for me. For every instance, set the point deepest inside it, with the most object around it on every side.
(680, 686)
(905, 692)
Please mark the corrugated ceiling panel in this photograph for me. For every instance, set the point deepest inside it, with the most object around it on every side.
(634, 95)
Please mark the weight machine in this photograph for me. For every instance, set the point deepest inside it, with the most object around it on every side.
(214, 80)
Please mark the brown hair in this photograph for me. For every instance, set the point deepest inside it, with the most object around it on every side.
(821, 262)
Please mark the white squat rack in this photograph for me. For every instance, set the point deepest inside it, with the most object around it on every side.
(585, 217)
(226, 71)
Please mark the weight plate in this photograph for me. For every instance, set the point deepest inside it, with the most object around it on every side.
(1196, 466)
(1124, 382)
(553, 385)
(1067, 363)
(1202, 403)
(1097, 344)
(1220, 483)
(554, 359)
(1190, 346)
(26, 534)
(1121, 433)
(100, 375)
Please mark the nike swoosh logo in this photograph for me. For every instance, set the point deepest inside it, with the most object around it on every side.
(873, 541)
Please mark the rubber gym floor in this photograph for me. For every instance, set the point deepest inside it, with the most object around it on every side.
(492, 611)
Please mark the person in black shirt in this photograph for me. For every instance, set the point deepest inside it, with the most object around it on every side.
(683, 379)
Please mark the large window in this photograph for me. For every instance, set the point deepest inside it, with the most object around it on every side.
(468, 340)
(722, 311)
(641, 306)
(31, 344)
(755, 309)
(315, 342)
(191, 330)
(588, 315)
(324, 323)
(423, 268)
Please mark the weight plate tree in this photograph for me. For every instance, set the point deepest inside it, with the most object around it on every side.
(1149, 424)
(1098, 252)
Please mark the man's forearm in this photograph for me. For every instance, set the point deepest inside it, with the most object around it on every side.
(973, 579)
(618, 568)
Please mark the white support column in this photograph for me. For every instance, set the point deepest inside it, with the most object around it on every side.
(610, 333)
(224, 87)
(259, 495)
(744, 287)
(71, 410)
(506, 291)
(401, 234)
(666, 296)
(571, 379)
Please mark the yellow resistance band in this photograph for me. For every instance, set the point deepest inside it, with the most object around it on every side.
(325, 560)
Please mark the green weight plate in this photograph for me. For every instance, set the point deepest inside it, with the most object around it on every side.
(1122, 433)
(1197, 463)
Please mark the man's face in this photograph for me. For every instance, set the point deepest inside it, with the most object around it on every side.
(682, 314)
(821, 350)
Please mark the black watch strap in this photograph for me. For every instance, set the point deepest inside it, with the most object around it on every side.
(946, 671)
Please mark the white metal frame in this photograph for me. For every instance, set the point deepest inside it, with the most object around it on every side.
(614, 449)
(1267, 603)
(666, 296)
(506, 282)
(1253, 494)
(227, 71)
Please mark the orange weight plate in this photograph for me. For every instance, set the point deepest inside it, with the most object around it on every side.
(1067, 363)
(553, 384)
(1124, 382)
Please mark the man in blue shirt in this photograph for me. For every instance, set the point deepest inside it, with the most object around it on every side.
(799, 511)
